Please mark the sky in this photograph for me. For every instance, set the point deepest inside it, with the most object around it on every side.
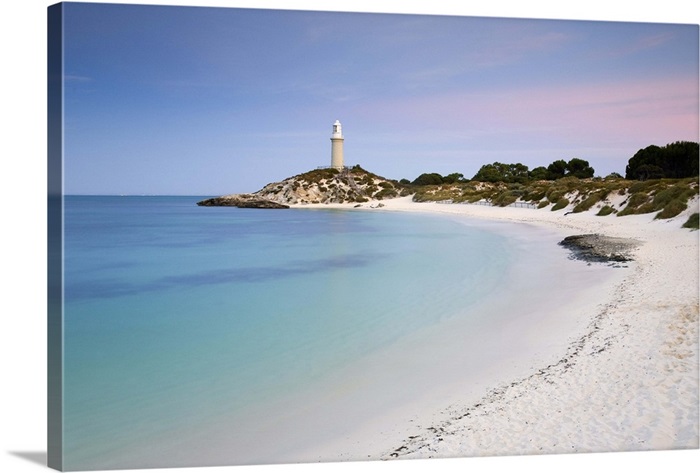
(210, 101)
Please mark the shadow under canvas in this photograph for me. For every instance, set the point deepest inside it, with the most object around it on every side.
(39, 458)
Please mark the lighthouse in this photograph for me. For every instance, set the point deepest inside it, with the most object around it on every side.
(337, 146)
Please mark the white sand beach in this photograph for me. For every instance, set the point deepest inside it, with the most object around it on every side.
(623, 378)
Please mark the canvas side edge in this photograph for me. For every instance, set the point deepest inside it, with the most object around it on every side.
(55, 236)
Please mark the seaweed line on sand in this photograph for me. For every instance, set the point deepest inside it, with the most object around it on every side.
(588, 248)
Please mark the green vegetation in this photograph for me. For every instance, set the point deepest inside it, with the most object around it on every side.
(605, 210)
(504, 199)
(590, 201)
(433, 178)
(576, 167)
(672, 209)
(317, 175)
(519, 173)
(499, 172)
(634, 204)
(675, 160)
(652, 184)
(561, 203)
(693, 222)
(668, 197)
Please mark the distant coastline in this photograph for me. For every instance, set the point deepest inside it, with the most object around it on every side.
(611, 196)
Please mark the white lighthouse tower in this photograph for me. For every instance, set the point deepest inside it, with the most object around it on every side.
(337, 146)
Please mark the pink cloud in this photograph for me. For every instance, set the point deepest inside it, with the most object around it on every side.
(637, 110)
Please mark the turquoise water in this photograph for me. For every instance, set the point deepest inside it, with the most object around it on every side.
(179, 319)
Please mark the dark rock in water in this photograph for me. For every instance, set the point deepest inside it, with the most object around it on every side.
(218, 202)
(242, 201)
(261, 204)
(596, 248)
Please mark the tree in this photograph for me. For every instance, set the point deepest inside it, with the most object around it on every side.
(452, 178)
(490, 173)
(649, 156)
(579, 168)
(499, 172)
(681, 159)
(575, 167)
(649, 171)
(518, 173)
(539, 173)
(675, 160)
(556, 170)
(427, 179)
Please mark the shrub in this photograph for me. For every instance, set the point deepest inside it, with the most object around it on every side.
(561, 203)
(672, 209)
(555, 193)
(665, 196)
(589, 201)
(535, 195)
(543, 203)
(645, 208)
(693, 222)
(385, 194)
(505, 199)
(637, 199)
(642, 186)
(606, 210)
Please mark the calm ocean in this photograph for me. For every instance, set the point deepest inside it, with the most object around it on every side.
(180, 319)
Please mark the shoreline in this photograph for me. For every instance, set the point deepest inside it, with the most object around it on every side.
(628, 382)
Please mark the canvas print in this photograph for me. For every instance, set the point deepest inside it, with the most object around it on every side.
(284, 236)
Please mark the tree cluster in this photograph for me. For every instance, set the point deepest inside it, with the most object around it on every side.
(675, 160)
(519, 173)
(499, 172)
(433, 178)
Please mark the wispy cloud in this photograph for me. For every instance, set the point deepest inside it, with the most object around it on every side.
(623, 110)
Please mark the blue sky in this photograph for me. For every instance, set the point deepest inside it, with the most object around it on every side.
(189, 100)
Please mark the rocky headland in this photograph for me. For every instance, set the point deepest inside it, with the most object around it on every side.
(243, 201)
(666, 198)
(319, 186)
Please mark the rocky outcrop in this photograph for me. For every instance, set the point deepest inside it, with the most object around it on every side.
(596, 248)
(244, 201)
(320, 186)
(330, 186)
